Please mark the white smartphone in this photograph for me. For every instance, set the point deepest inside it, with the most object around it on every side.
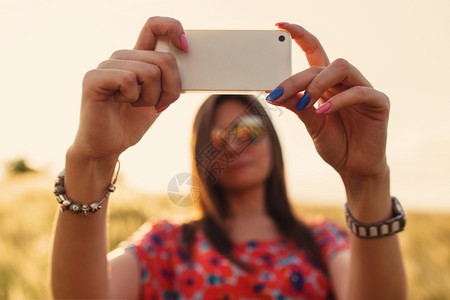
(232, 60)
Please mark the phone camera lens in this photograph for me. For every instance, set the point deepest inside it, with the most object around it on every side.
(281, 38)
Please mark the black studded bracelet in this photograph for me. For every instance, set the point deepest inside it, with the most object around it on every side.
(376, 230)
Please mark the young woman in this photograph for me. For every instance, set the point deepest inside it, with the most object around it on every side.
(247, 244)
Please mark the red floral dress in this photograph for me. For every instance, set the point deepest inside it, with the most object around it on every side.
(281, 270)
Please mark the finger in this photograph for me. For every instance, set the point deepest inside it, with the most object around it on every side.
(315, 54)
(100, 85)
(338, 75)
(148, 77)
(371, 98)
(166, 62)
(331, 92)
(292, 86)
(161, 27)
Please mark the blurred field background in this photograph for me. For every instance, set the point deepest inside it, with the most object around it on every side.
(28, 208)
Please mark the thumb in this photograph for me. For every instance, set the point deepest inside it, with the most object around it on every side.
(156, 27)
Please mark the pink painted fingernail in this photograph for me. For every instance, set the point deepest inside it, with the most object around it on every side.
(162, 108)
(325, 107)
(281, 24)
(184, 44)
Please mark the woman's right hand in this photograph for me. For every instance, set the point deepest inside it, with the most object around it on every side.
(125, 94)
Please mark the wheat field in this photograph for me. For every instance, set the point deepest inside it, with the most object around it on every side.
(28, 209)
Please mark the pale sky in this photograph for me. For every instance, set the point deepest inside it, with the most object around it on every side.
(402, 47)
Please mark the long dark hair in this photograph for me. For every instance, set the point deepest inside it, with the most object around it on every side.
(213, 205)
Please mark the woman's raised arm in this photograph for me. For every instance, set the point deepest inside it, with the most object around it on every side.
(120, 101)
(349, 131)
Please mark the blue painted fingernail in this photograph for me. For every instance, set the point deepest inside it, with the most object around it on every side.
(275, 94)
(303, 102)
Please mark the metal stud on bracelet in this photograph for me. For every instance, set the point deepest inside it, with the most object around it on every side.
(376, 230)
(76, 208)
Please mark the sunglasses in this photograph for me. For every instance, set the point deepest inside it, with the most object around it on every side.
(245, 130)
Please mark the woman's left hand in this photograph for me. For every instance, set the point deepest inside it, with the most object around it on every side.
(349, 128)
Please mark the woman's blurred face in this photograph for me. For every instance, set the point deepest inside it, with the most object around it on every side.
(245, 146)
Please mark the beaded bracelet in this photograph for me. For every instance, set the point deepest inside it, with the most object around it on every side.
(77, 208)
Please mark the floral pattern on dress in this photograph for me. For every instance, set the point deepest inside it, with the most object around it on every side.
(280, 269)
